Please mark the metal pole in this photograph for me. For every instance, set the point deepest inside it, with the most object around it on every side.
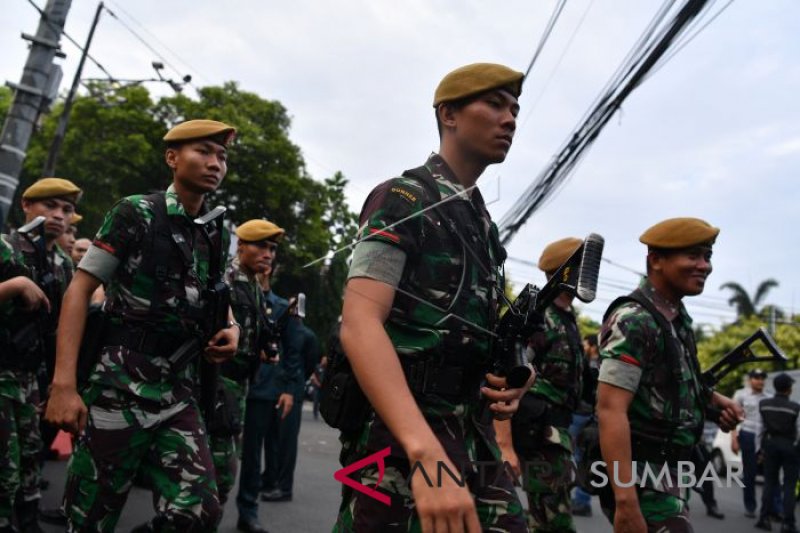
(61, 129)
(29, 97)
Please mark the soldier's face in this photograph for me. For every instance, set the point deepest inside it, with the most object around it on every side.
(199, 166)
(484, 128)
(257, 257)
(57, 212)
(684, 271)
(67, 241)
(79, 249)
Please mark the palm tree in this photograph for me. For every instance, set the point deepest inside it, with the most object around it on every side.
(746, 306)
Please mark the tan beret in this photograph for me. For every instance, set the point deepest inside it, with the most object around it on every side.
(476, 78)
(556, 253)
(201, 129)
(259, 230)
(53, 188)
(679, 233)
(75, 218)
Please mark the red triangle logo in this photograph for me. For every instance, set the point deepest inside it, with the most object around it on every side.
(377, 457)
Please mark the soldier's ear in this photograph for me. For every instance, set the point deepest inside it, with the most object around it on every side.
(171, 158)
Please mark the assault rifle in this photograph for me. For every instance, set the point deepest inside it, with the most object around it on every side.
(525, 316)
(29, 342)
(741, 355)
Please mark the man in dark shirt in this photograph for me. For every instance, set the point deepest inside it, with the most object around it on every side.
(779, 443)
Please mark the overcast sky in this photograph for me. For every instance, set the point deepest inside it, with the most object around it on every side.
(714, 134)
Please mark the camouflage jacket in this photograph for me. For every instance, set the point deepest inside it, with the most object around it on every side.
(27, 263)
(447, 299)
(446, 302)
(634, 357)
(116, 257)
(246, 304)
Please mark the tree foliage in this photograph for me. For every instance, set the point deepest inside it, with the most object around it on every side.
(745, 305)
(713, 348)
(113, 148)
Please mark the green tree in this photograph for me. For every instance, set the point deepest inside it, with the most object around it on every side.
(5, 102)
(741, 300)
(714, 347)
(114, 148)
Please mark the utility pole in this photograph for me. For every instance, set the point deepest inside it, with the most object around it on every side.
(61, 129)
(30, 97)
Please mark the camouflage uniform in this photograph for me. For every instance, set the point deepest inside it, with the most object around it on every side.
(443, 307)
(20, 466)
(234, 374)
(142, 412)
(559, 360)
(634, 357)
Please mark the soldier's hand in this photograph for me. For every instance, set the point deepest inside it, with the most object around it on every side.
(66, 410)
(274, 360)
(444, 506)
(223, 345)
(503, 401)
(731, 413)
(30, 294)
(629, 519)
(285, 402)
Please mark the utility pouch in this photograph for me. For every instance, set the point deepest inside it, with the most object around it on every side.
(91, 343)
(226, 420)
(342, 403)
(528, 424)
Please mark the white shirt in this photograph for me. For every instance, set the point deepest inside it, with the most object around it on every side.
(749, 402)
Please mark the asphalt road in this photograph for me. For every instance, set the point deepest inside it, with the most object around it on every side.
(316, 496)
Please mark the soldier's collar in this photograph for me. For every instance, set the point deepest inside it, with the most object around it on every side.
(664, 306)
(439, 168)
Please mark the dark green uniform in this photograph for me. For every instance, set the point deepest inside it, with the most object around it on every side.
(559, 361)
(234, 374)
(444, 306)
(667, 412)
(20, 466)
(142, 411)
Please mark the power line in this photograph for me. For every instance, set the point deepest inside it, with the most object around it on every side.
(546, 84)
(159, 41)
(146, 44)
(43, 15)
(650, 49)
(546, 35)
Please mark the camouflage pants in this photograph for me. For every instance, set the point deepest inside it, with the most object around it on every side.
(125, 433)
(226, 450)
(548, 479)
(20, 445)
(664, 512)
(495, 500)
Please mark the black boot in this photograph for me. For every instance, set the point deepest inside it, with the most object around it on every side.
(714, 512)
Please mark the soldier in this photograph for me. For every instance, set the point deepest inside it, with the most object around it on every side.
(269, 402)
(67, 240)
(28, 341)
(255, 251)
(556, 395)
(781, 452)
(420, 303)
(155, 262)
(651, 403)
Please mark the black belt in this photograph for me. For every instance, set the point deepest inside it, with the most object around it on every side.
(455, 382)
(139, 340)
(654, 451)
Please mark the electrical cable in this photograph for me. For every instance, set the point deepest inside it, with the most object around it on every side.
(44, 17)
(651, 46)
(546, 35)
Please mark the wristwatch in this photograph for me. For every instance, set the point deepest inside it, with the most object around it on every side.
(232, 323)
